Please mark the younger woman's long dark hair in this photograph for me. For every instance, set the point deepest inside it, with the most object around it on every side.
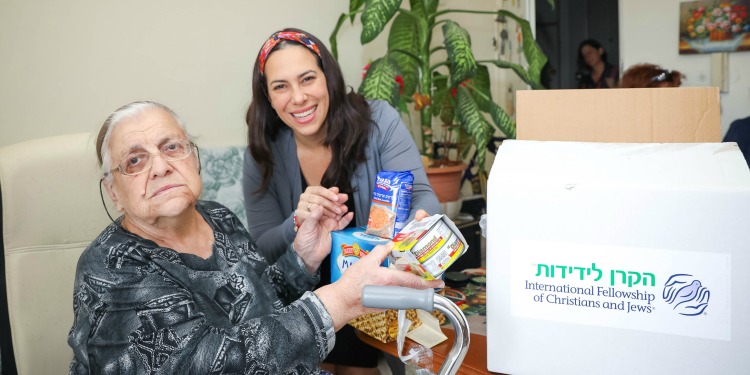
(347, 122)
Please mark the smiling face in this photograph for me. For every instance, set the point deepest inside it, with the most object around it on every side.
(297, 90)
(166, 189)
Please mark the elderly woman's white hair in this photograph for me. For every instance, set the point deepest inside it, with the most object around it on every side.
(123, 113)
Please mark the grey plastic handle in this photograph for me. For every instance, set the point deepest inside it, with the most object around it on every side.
(397, 297)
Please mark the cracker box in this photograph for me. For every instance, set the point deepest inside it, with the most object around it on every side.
(383, 326)
(348, 246)
(428, 247)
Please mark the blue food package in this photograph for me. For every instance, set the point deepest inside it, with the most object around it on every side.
(350, 245)
(391, 203)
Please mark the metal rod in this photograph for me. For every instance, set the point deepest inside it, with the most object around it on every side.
(461, 340)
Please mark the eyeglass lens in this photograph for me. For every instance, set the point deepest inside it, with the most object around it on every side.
(140, 160)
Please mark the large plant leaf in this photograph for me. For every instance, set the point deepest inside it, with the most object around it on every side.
(502, 121)
(417, 7)
(520, 72)
(473, 122)
(480, 88)
(403, 42)
(354, 6)
(441, 98)
(333, 39)
(531, 50)
(380, 82)
(424, 8)
(430, 6)
(376, 15)
(463, 142)
(458, 46)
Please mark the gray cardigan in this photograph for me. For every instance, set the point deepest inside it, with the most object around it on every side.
(270, 215)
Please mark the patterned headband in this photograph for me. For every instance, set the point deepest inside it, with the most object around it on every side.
(284, 35)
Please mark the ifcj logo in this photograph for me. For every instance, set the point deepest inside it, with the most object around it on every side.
(686, 294)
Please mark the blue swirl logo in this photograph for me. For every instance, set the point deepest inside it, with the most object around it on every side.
(686, 294)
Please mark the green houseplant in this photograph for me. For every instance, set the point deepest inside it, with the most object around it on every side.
(440, 78)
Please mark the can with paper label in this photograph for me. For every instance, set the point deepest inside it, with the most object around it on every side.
(428, 247)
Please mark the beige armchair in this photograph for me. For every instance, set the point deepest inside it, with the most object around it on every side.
(51, 210)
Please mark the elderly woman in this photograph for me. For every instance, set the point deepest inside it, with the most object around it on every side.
(176, 285)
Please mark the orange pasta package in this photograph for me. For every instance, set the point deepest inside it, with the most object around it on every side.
(391, 202)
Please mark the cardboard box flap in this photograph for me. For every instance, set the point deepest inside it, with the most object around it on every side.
(688, 114)
(687, 165)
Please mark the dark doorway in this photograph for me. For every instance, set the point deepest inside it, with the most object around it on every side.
(559, 31)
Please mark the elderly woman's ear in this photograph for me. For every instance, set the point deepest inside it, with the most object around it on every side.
(109, 187)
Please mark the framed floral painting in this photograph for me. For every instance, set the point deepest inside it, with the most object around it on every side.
(709, 26)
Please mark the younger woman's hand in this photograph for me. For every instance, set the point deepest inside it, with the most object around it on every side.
(330, 200)
(421, 214)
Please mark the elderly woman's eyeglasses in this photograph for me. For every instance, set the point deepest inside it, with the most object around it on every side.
(141, 160)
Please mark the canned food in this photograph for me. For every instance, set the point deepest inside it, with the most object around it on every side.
(428, 247)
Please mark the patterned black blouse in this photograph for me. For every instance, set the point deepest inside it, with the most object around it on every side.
(144, 309)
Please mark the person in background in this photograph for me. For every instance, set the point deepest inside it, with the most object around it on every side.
(177, 286)
(650, 75)
(594, 71)
(314, 144)
(739, 131)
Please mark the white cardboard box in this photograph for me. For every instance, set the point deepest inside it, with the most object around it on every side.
(650, 249)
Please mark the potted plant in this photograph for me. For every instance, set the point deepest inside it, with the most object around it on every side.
(451, 92)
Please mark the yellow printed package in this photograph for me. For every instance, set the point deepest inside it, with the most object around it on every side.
(427, 247)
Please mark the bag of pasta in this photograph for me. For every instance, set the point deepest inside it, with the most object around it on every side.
(391, 202)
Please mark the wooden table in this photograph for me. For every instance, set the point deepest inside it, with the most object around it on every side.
(475, 362)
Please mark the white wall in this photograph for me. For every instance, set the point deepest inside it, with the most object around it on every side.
(649, 33)
(65, 65)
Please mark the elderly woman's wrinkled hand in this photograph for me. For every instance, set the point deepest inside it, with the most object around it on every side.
(313, 241)
(343, 299)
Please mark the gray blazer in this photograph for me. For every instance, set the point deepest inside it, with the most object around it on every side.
(270, 215)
